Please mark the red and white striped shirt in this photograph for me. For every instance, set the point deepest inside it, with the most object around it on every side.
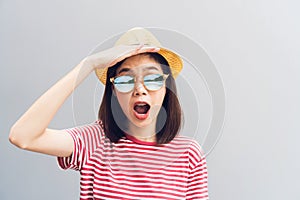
(134, 169)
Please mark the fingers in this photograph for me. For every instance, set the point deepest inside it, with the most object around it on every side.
(134, 51)
(118, 53)
(142, 49)
(139, 47)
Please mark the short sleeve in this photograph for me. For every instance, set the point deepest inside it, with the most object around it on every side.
(198, 175)
(86, 140)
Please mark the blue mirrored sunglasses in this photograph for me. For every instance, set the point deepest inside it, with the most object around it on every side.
(152, 82)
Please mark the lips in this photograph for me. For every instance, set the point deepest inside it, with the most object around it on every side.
(141, 110)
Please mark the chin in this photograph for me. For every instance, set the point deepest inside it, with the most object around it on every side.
(142, 123)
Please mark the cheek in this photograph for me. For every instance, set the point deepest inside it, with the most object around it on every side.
(123, 100)
(159, 96)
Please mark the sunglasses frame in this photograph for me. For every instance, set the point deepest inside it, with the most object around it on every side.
(165, 76)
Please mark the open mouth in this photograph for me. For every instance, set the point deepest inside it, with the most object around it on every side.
(141, 110)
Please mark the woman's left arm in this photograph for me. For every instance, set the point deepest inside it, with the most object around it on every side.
(198, 181)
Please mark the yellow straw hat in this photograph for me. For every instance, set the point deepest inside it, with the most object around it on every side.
(138, 36)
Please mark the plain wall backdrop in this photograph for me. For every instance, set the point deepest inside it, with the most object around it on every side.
(253, 43)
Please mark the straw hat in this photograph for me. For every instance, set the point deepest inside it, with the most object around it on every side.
(137, 36)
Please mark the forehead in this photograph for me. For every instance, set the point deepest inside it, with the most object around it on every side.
(139, 61)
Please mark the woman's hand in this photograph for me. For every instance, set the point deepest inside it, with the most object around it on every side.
(110, 57)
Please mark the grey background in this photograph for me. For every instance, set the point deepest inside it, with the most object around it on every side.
(254, 44)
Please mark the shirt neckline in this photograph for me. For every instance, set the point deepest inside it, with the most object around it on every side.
(138, 141)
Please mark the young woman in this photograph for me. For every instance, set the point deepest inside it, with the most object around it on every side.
(133, 150)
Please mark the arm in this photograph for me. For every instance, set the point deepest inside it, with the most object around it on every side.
(30, 132)
(198, 182)
(197, 187)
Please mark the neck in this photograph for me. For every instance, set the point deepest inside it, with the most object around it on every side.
(146, 133)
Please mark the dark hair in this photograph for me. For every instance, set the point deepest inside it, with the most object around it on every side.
(169, 117)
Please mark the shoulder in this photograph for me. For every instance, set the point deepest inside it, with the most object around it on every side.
(94, 129)
(195, 151)
(192, 143)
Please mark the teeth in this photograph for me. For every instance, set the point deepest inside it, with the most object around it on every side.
(141, 104)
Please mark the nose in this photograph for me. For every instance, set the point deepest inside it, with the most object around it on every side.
(139, 88)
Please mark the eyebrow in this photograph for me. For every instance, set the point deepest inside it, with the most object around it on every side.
(146, 68)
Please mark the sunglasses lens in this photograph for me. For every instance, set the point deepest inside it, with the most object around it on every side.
(154, 81)
(124, 83)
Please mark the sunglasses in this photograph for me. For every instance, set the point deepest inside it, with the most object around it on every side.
(152, 82)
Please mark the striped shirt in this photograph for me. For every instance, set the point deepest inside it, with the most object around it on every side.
(135, 169)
